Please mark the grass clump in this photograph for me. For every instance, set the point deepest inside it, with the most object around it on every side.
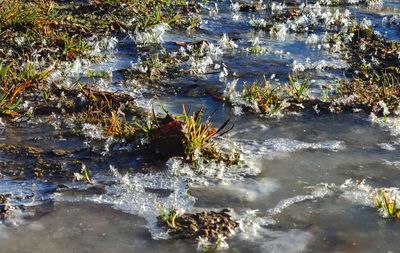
(186, 135)
(113, 113)
(387, 204)
(371, 56)
(371, 95)
(298, 90)
(273, 100)
(118, 126)
(111, 121)
(155, 66)
(198, 134)
(168, 216)
(15, 81)
(209, 228)
(84, 175)
(198, 138)
(256, 49)
(54, 31)
(268, 98)
(17, 14)
(375, 73)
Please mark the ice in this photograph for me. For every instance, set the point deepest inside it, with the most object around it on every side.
(27, 193)
(252, 227)
(203, 245)
(245, 189)
(293, 241)
(312, 39)
(3, 234)
(318, 192)
(271, 147)
(392, 124)
(387, 146)
(131, 194)
(395, 164)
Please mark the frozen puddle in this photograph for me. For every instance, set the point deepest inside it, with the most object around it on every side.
(271, 148)
(294, 241)
(140, 194)
(247, 189)
(27, 193)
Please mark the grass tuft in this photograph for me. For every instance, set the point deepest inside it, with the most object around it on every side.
(387, 204)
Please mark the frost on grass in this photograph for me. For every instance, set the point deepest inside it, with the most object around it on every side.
(320, 65)
(226, 43)
(93, 131)
(204, 245)
(384, 199)
(391, 124)
(151, 36)
(256, 47)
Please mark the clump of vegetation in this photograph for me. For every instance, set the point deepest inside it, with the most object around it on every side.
(268, 99)
(111, 118)
(274, 100)
(197, 134)
(55, 31)
(117, 125)
(374, 70)
(387, 204)
(371, 56)
(298, 90)
(84, 175)
(168, 216)
(382, 99)
(256, 48)
(205, 225)
(154, 66)
(335, 3)
(186, 135)
(15, 81)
